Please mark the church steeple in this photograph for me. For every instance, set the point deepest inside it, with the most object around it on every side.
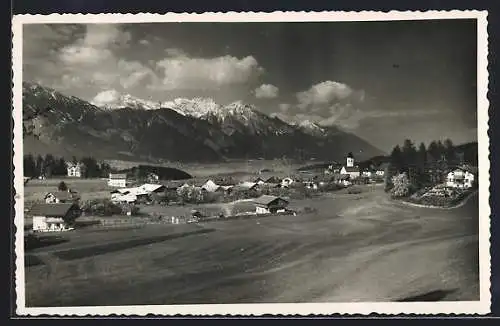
(350, 160)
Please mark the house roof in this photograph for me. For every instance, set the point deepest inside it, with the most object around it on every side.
(273, 179)
(382, 166)
(118, 176)
(351, 168)
(247, 185)
(62, 195)
(267, 200)
(55, 210)
(151, 187)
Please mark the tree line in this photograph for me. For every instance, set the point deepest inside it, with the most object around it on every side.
(425, 165)
(50, 165)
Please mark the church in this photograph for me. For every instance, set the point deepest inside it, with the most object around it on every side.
(350, 169)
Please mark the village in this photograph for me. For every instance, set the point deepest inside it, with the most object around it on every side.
(221, 197)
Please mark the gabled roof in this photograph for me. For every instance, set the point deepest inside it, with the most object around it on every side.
(118, 176)
(247, 185)
(61, 195)
(351, 168)
(54, 210)
(273, 179)
(267, 200)
(151, 187)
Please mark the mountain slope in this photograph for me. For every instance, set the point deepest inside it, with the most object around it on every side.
(181, 130)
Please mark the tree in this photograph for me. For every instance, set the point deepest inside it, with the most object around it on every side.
(92, 169)
(49, 164)
(409, 154)
(40, 169)
(29, 165)
(401, 185)
(60, 167)
(396, 158)
(449, 151)
(422, 176)
(62, 186)
(433, 152)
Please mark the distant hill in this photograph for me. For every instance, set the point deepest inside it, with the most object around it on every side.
(185, 130)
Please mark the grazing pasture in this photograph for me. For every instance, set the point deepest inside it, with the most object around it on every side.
(354, 247)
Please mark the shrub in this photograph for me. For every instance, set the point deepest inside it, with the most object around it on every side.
(101, 207)
(62, 186)
(401, 185)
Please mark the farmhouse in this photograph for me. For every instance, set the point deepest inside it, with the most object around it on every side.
(270, 204)
(53, 217)
(380, 171)
(60, 197)
(311, 185)
(462, 178)
(211, 186)
(272, 180)
(123, 197)
(152, 177)
(117, 180)
(152, 188)
(248, 185)
(74, 170)
(259, 181)
(287, 182)
(349, 168)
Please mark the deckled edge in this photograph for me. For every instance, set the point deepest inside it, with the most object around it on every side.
(469, 308)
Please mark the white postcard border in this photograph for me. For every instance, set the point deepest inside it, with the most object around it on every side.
(462, 307)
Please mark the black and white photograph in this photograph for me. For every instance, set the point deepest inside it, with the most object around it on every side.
(251, 163)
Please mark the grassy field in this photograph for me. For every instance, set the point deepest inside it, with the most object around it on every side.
(354, 248)
(35, 190)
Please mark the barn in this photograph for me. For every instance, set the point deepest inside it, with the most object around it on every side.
(53, 216)
(270, 204)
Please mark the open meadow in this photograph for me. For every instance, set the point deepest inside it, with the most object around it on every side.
(354, 247)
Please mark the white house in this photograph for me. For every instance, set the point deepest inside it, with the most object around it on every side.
(367, 173)
(74, 170)
(59, 197)
(462, 178)
(210, 186)
(311, 185)
(380, 171)
(270, 204)
(287, 182)
(259, 181)
(51, 217)
(117, 180)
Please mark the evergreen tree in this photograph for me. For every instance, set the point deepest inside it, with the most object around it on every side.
(451, 155)
(396, 159)
(29, 165)
(60, 167)
(40, 170)
(409, 154)
(92, 169)
(433, 152)
(49, 164)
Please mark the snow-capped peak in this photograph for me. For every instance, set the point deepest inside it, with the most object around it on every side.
(114, 100)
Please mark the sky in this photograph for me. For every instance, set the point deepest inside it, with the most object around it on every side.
(384, 81)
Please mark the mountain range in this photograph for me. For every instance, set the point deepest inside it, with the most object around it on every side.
(182, 130)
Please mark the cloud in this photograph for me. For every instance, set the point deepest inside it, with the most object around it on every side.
(96, 45)
(284, 107)
(104, 98)
(324, 93)
(181, 72)
(144, 42)
(334, 103)
(266, 91)
(133, 73)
